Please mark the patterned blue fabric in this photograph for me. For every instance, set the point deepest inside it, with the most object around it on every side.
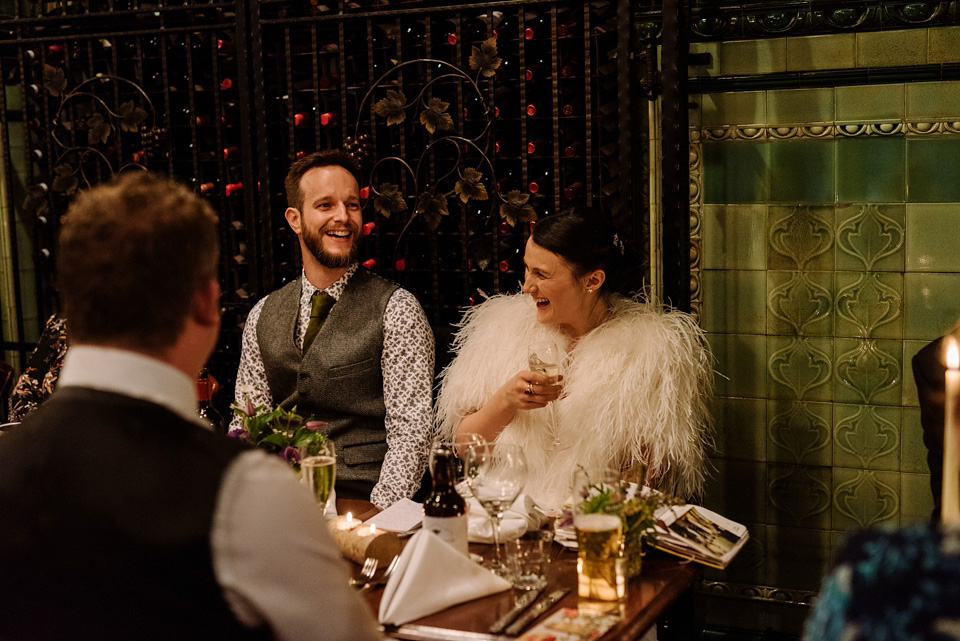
(901, 585)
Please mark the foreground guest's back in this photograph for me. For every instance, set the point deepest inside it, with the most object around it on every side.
(122, 516)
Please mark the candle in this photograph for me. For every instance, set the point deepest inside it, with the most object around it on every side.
(343, 523)
(357, 542)
(950, 496)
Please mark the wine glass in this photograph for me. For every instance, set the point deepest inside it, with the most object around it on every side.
(500, 474)
(544, 358)
(318, 467)
(467, 463)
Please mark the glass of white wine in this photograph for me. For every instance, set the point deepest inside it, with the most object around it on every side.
(544, 358)
(318, 468)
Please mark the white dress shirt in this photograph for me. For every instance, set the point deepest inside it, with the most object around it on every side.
(407, 365)
(272, 554)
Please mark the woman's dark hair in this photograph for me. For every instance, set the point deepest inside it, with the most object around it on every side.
(587, 240)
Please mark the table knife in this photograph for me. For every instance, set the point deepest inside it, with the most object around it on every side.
(523, 603)
(541, 606)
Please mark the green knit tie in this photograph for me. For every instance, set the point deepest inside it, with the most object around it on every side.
(321, 304)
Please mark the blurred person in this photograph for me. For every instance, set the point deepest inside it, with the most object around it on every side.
(39, 378)
(633, 378)
(365, 365)
(123, 515)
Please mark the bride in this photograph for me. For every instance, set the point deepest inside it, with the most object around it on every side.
(634, 378)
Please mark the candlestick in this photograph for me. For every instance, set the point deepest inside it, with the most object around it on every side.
(950, 496)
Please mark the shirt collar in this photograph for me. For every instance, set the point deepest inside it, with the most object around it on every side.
(335, 290)
(131, 374)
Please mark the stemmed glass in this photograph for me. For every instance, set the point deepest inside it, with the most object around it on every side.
(318, 468)
(499, 474)
(544, 358)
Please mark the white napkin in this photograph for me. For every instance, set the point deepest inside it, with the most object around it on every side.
(430, 576)
(523, 515)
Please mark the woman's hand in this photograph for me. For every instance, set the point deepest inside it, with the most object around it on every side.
(529, 390)
(526, 390)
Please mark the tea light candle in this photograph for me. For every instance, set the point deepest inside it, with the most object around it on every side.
(950, 495)
(357, 542)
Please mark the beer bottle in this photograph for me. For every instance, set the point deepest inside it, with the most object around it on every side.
(445, 511)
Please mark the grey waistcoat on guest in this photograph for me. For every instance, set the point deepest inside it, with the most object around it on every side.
(339, 379)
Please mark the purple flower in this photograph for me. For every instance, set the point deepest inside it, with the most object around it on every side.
(290, 454)
(242, 434)
(316, 426)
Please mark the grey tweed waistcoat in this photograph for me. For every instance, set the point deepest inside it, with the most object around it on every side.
(338, 379)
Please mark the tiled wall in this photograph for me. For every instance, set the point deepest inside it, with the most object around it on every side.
(829, 225)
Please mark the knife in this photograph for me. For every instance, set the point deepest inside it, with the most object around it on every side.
(523, 603)
(538, 609)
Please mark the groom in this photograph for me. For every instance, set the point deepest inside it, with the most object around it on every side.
(121, 515)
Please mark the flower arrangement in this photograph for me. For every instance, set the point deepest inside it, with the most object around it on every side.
(279, 431)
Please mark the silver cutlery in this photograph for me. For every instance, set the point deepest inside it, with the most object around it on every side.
(366, 573)
(383, 578)
(522, 604)
(541, 606)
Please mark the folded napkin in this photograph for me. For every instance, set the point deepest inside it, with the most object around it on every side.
(523, 515)
(430, 576)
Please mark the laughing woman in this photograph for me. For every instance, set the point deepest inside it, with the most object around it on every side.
(634, 378)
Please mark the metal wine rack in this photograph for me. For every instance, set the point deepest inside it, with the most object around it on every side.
(225, 96)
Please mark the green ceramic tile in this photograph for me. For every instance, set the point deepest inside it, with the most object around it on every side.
(799, 432)
(932, 238)
(916, 498)
(798, 495)
(870, 103)
(749, 57)
(713, 69)
(694, 114)
(871, 237)
(868, 371)
(933, 169)
(800, 106)
(913, 453)
(821, 52)
(944, 45)
(734, 301)
(800, 303)
(871, 170)
(867, 437)
(800, 237)
(736, 490)
(740, 428)
(800, 368)
(932, 101)
(865, 498)
(931, 304)
(736, 172)
(892, 48)
(724, 612)
(910, 395)
(869, 305)
(798, 557)
(734, 108)
(740, 364)
(802, 171)
(734, 236)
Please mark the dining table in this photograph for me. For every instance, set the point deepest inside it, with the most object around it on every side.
(662, 595)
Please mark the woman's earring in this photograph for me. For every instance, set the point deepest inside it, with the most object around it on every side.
(589, 290)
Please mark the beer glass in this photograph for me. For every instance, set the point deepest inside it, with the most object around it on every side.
(600, 569)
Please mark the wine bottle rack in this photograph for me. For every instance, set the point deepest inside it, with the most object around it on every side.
(225, 96)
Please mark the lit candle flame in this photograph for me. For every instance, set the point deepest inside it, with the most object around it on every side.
(349, 517)
(373, 528)
(953, 355)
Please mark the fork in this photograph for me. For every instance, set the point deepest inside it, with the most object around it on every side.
(366, 573)
(382, 580)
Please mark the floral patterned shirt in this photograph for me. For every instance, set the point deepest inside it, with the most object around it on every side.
(43, 368)
(901, 585)
(407, 363)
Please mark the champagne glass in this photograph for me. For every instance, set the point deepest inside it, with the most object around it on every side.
(544, 358)
(501, 473)
(318, 468)
(463, 444)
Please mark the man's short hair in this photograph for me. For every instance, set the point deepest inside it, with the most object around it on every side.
(326, 158)
(133, 252)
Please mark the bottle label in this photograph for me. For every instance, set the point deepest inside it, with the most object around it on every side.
(452, 529)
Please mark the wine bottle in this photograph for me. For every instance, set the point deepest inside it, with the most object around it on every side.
(444, 510)
(573, 191)
(205, 388)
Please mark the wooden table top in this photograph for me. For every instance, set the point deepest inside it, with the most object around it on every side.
(661, 582)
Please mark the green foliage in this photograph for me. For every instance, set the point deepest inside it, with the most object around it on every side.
(280, 431)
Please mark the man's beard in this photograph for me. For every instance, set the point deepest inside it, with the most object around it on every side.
(314, 242)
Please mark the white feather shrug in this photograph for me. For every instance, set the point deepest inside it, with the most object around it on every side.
(634, 389)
